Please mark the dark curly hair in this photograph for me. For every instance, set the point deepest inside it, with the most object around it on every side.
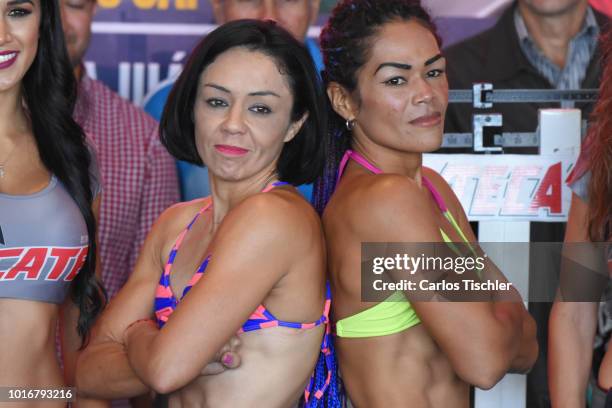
(49, 93)
(346, 40)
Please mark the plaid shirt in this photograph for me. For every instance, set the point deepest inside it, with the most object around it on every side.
(138, 175)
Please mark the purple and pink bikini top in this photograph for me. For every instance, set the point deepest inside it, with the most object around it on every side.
(261, 318)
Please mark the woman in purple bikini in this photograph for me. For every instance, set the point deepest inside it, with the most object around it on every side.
(385, 77)
(248, 261)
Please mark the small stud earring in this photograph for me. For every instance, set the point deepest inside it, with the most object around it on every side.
(350, 124)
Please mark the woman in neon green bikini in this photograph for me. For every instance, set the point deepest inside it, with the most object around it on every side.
(386, 82)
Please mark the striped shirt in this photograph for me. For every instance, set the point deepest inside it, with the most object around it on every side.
(579, 53)
(138, 176)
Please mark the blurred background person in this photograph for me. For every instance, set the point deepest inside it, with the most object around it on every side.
(139, 175)
(536, 44)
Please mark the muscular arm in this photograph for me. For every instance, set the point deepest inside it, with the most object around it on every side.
(572, 329)
(103, 370)
(528, 348)
(248, 259)
(495, 327)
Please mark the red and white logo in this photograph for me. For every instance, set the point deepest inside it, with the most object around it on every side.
(28, 263)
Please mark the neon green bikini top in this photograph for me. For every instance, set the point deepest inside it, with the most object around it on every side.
(395, 313)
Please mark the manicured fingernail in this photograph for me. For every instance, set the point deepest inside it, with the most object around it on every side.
(228, 359)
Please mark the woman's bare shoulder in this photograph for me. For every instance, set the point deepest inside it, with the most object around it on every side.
(282, 212)
(176, 217)
(388, 192)
(438, 181)
(383, 204)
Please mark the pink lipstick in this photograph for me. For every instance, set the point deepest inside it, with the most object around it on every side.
(7, 58)
(231, 150)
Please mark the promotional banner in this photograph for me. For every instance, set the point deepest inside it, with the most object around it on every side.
(508, 187)
(136, 44)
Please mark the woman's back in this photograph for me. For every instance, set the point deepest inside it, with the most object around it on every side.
(406, 363)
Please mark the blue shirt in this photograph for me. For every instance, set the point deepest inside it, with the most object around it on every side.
(194, 179)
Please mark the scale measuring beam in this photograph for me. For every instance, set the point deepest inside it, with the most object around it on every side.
(487, 135)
